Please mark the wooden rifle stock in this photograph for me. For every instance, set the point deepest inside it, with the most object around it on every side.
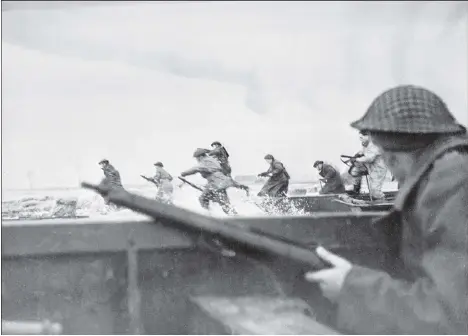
(236, 232)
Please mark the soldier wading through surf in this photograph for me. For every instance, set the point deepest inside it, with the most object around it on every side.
(217, 183)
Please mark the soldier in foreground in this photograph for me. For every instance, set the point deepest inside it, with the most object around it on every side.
(220, 153)
(278, 182)
(427, 151)
(164, 182)
(111, 177)
(331, 178)
(215, 190)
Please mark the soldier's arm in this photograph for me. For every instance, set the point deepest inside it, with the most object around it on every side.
(190, 171)
(276, 169)
(157, 177)
(369, 155)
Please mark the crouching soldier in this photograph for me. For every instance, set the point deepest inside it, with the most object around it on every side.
(427, 151)
(331, 178)
(163, 181)
(215, 190)
(278, 182)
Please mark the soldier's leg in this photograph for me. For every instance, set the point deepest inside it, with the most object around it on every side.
(169, 197)
(284, 190)
(375, 186)
(223, 199)
(356, 178)
(205, 198)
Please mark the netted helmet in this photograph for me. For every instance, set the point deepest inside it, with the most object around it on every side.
(408, 109)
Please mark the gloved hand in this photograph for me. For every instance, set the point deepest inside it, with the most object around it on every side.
(262, 175)
(183, 174)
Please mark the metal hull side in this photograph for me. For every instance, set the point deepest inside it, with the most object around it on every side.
(142, 277)
(331, 203)
(322, 203)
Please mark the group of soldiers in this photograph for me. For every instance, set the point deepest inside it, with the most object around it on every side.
(426, 151)
(368, 163)
(213, 165)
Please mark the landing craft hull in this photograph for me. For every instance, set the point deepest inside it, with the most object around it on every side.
(337, 203)
(143, 277)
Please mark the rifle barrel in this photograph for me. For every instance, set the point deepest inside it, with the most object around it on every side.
(190, 183)
(185, 220)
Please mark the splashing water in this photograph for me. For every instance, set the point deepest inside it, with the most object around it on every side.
(37, 204)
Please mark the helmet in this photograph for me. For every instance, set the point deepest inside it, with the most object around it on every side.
(105, 161)
(216, 143)
(316, 163)
(159, 164)
(269, 157)
(200, 151)
(408, 109)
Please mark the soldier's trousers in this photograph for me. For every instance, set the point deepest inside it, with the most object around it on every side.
(216, 196)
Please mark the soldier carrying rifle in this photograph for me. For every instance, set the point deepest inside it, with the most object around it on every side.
(215, 190)
(163, 180)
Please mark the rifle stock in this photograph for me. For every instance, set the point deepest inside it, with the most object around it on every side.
(236, 232)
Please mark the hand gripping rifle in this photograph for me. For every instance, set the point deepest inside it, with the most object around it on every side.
(150, 180)
(237, 233)
(350, 161)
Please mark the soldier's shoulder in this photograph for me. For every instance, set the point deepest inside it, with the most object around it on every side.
(450, 171)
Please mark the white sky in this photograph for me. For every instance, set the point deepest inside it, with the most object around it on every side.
(151, 82)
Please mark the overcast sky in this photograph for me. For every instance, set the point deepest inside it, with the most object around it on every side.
(152, 82)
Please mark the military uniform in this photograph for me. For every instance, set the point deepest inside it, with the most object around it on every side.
(431, 209)
(278, 183)
(332, 179)
(217, 183)
(164, 182)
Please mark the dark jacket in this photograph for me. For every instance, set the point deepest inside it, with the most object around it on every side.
(432, 209)
(333, 183)
(222, 156)
(278, 183)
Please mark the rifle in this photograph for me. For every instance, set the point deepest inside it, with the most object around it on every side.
(350, 158)
(235, 232)
(150, 180)
(350, 161)
(190, 183)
